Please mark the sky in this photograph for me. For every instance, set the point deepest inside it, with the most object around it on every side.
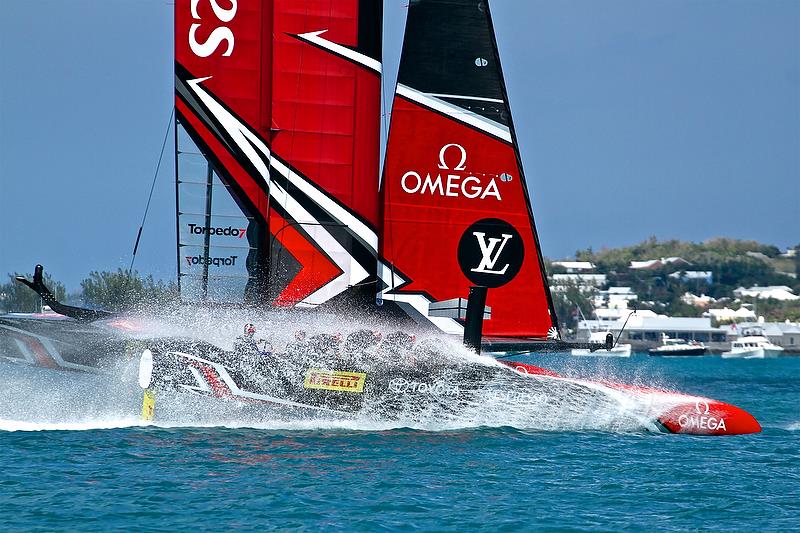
(676, 119)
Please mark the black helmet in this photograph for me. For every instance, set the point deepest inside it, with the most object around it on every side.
(249, 329)
(398, 340)
(361, 340)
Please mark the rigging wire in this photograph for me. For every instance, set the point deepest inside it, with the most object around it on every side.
(152, 187)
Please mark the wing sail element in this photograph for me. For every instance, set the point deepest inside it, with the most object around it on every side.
(456, 210)
(281, 98)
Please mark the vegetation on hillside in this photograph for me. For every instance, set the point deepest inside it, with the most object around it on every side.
(733, 264)
(123, 290)
(727, 259)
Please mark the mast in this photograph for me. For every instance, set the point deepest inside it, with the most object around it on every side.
(207, 236)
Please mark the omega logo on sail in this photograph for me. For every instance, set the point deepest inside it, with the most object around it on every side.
(452, 183)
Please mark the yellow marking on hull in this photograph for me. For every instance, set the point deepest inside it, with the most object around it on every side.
(148, 405)
(335, 380)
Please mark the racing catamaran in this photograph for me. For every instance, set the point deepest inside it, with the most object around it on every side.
(280, 205)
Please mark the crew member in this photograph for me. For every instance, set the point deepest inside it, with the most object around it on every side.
(246, 342)
(358, 342)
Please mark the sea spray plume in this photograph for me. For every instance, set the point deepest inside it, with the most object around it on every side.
(35, 398)
(429, 382)
(412, 398)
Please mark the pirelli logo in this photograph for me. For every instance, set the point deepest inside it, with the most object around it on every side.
(335, 380)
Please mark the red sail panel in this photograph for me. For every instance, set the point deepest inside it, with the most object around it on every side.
(326, 124)
(229, 42)
(456, 208)
(326, 105)
(283, 98)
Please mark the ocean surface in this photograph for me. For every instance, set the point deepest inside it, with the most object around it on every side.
(75, 457)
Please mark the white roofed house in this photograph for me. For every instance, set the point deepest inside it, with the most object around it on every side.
(652, 264)
(573, 267)
(729, 315)
(613, 303)
(777, 292)
(578, 273)
(585, 282)
(705, 276)
(702, 301)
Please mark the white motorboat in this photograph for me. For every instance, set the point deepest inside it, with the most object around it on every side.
(753, 347)
(678, 347)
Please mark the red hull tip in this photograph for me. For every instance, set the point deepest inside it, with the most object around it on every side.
(709, 417)
(691, 415)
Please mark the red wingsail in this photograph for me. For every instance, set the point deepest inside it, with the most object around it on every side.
(456, 209)
(283, 99)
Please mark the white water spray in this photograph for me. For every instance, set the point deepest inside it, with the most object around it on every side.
(33, 398)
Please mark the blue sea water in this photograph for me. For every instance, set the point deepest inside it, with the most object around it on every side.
(72, 474)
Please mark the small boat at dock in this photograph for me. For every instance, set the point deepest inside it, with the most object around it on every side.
(678, 347)
(753, 347)
(618, 350)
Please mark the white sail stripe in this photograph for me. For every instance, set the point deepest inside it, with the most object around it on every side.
(351, 274)
(317, 196)
(369, 237)
(314, 37)
(391, 278)
(463, 97)
(238, 132)
(456, 113)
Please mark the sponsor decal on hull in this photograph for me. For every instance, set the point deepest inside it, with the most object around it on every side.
(335, 380)
(437, 388)
(702, 419)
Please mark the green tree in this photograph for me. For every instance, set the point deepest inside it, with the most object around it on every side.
(567, 298)
(123, 290)
(17, 298)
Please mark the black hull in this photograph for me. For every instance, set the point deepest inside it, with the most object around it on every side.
(65, 344)
(415, 386)
(677, 353)
(387, 387)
